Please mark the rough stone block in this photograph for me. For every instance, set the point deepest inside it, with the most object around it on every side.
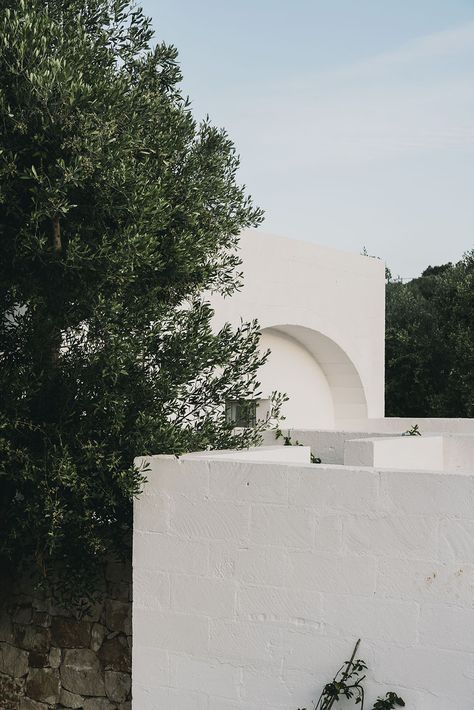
(43, 685)
(23, 614)
(118, 590)
(32, 638)
(98, 704)
(29, 704)
(13, 661)
(70, 700)
(54, 657)
(38, 660)
(117, 686)
(81, 672)
(118, 570)
(11, 689)
(98, 633)
(95, 611)
(118, 615)
(41, 618)
(114, 654)
(6, 627)
(69, 633)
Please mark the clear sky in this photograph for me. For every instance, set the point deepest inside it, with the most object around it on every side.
(354, 119)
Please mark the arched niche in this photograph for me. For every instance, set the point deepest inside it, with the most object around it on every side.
(322, 382)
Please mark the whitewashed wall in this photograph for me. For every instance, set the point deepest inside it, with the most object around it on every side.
(454, 452)
(458, 452)
(253, 580)
(412, 453)
(427, 425)
(322, 312)
(329, 445)
(293, 369)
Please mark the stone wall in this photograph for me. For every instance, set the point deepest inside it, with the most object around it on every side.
(51, 659)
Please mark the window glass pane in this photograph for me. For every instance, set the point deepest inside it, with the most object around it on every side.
(241, 413)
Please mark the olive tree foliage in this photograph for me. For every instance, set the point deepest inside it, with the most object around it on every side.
(117, 213)
(430, 342)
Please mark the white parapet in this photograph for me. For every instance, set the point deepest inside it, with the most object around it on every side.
(414, 453)
(277, 454)
(445, 450)
(252, 580)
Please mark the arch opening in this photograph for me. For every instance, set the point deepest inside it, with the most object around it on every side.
(324, 388)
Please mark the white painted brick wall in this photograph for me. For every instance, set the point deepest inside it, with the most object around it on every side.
(252, 582)
(413, 453)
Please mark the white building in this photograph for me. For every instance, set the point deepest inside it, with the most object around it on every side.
(256, 571)
(322, 314)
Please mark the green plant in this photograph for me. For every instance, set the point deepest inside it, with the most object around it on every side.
(347, 683)
(413, 431)
(288, 441)
(117, 212)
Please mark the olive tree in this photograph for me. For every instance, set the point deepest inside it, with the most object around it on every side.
(118, 211)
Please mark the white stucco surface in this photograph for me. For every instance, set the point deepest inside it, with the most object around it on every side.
(322, 314)
(276, 454)
(327, 444)
(252, 581)
(458, 452)
(293, 369)
(455, 452)
(414, 453)
(426, 425)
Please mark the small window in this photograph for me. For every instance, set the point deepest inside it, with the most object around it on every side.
(242, 413)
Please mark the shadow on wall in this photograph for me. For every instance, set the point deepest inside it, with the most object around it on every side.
(321, 381)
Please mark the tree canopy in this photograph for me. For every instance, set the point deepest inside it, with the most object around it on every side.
(430, 343)
(117, 212)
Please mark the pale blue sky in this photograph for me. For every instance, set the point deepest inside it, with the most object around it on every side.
(354, 119)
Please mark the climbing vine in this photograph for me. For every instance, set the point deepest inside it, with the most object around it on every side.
(348, 683)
